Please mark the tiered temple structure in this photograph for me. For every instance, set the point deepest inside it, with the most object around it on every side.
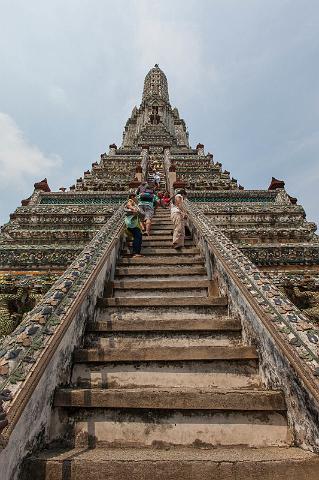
(176, 356)
(50, 229)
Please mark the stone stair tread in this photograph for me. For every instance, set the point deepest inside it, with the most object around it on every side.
(159, 284)
(172, 398)
(136, 340)
(223, 324)
(175, 463)
(220, 454)
(160, 301)
(155, 271)
(166, 354)
(163, 243)
(175, 259)
(187, 250)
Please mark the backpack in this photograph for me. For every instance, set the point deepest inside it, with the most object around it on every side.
(147, 196)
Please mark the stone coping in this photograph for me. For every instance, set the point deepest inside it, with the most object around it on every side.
(24, 353)
(291, 329)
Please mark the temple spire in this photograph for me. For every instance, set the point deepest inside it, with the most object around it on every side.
(155, 85)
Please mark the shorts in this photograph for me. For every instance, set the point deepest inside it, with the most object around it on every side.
(147, 210)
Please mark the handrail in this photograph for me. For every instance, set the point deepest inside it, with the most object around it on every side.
(24, 353)
(279, 315)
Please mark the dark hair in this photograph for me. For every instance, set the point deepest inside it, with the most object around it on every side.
(132, 195)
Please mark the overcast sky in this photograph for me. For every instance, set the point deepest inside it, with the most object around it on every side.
(243, 74)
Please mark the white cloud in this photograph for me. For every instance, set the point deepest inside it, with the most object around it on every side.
(58, 97)
(20, 161)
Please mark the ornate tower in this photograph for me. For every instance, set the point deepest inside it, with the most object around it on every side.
(155, 122)
(196, 350)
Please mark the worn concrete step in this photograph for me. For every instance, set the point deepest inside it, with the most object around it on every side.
(165, 237)
(166, 354)
(164, 251)
(159, 314)
(159, 236)
(160, 284)
(160, 292)
(165, 214)
(174, 259)
(162, 218)
(136, 340)
(165, 227)
(159, 223)
(196, 374)
(160, 301)
(178, 271)
(156, 288)
(172, 399)
(230, 463)
(208, 428)
(180, 324)
(148, 242)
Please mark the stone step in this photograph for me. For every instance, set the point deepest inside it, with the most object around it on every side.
(166, 354)
(196, 374)
(160, 301)
(162, 222)
(162, 228)
(176, 259)
(160, 323)
(163, 238)
(159, 284)
(169, 251)
(172, 399)
(136, 340)
(148, 242)
(157, 293)
(159, 314)
(177, 271)
(240, 463)
(206, 428)
(163, 215)
(158, 288)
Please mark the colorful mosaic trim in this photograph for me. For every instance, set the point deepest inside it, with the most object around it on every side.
(232, 199)
(20, 351)
(289, 322)
(80, 201)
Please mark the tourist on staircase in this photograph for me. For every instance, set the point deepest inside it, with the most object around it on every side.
(147, 199)
(132, 219)
(178, 216)
(166, 200)
(156, 178)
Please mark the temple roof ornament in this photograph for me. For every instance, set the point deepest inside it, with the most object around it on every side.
(275, 183)
(155, 85)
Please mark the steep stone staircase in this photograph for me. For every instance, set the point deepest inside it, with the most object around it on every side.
(161, 172)
(164, 387)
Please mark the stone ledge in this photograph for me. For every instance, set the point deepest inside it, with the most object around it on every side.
(166, 354)
(172, 398)
(174, 464)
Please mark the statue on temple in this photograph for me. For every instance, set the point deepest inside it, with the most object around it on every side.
(154, 117)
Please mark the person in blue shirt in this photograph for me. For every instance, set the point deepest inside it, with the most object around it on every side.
(147, 200)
